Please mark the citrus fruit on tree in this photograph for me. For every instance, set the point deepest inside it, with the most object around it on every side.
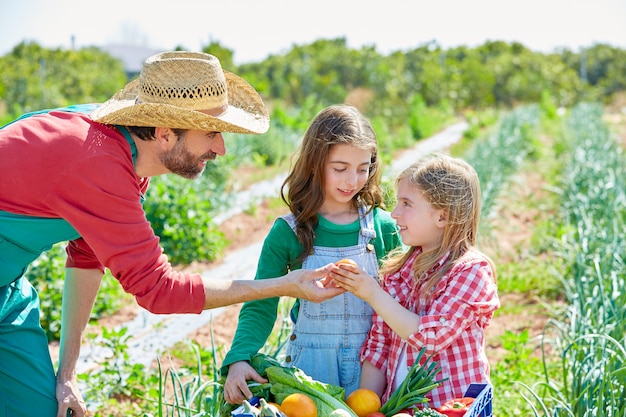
(363, 401)
(298, 405)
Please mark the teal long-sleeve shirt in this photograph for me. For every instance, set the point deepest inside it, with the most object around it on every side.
(280, 248)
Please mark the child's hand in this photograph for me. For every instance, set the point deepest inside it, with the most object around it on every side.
(327, 282)
(355, 280)
(344, 261)
(236, 387)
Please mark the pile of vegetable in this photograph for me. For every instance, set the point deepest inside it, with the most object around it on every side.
(328, 399)
(284, 381)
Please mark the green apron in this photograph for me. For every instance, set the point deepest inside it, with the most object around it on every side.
(27, 375)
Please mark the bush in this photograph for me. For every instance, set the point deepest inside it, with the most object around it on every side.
(180, 212)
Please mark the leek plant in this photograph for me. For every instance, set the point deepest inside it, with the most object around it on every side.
(499, 156)
(589, 337)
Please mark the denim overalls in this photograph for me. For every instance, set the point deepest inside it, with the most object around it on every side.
(327, 337)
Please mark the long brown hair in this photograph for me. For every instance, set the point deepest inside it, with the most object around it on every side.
(303, 189)
(452, 185)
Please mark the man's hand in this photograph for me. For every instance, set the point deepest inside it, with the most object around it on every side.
(236, 386)
(69, 398)
(310, 284)
(302, 283)
(355, 280)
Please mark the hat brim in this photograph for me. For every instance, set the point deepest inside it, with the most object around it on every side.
(246, 114)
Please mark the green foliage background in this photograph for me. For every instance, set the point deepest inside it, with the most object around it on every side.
(494, 74)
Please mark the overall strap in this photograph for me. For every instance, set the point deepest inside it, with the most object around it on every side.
(291, 221)
(129, 139)
(133, 150)
(368, 233)
(74, 108)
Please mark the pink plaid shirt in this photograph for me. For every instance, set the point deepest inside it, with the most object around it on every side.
(452, 326)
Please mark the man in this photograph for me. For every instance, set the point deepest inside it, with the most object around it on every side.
(70, 176)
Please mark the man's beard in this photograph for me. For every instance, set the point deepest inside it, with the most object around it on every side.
(181, 162)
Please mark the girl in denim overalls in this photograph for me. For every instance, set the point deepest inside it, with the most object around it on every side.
(334, 196)
(326, 341)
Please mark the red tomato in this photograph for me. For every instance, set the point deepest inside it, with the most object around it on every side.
(347, 261)
(456, 407)
(376, 414)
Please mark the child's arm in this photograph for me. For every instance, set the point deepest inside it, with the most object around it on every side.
(373, 378)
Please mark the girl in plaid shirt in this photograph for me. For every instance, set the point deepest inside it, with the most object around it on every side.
(440, 293)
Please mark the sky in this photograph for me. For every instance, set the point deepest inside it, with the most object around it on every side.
(254, 29)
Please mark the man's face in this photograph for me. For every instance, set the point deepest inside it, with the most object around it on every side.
(191, 152)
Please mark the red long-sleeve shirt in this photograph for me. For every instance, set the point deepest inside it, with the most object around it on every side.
(62, 165)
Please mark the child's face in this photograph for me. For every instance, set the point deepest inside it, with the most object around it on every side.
(346, 172)
(420, 223)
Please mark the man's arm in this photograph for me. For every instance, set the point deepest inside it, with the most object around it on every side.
(302, 283)
(79, 293)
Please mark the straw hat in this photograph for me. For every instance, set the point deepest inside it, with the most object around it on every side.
(186, 90)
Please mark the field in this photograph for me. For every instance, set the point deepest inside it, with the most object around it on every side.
(517, 225)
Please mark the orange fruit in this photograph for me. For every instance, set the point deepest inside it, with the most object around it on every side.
(298, 405)
(363, 401)
(347, 262)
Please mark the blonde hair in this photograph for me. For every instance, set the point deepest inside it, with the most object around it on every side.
(303, 189)
(452, 185)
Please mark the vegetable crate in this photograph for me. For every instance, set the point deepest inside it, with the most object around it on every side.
(482, 405)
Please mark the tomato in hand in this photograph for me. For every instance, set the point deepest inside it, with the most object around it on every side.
(347, 261)
(456, 407)
(344, 261)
